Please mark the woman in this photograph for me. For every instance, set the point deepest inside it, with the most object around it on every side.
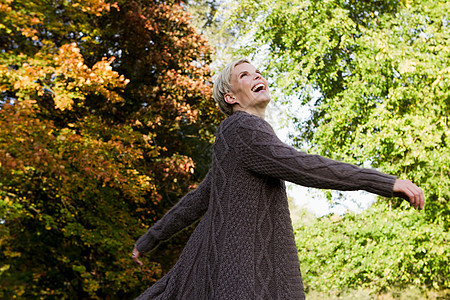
(243, 247)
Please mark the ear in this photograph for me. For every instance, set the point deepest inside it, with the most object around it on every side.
(230, 99)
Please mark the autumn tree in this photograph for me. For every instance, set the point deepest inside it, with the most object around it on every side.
(106, 119)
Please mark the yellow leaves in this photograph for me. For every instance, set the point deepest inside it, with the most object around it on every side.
(407, 66)
(88, 164)
(6, 7)
(440, 77)
(69, 56)
(406, 3)
(65, 76)
(95, 7)
(18, 84)
(16, 18)
(104, 65)
(12, 254)
(147, 139)
(63, 101)
(384, 52)
(30, 32)
(35, 21)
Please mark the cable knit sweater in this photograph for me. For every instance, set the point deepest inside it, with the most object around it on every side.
(243, 247)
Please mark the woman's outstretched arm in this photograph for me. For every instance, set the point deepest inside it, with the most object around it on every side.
(262, 152)
(188, 210)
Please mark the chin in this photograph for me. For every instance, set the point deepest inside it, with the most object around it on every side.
(265, 99)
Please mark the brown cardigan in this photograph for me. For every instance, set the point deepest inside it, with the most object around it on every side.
(243, 247)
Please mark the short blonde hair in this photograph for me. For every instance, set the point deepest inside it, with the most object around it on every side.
(222, 86)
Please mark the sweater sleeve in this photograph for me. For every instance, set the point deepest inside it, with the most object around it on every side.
(262, 152)
(189, 209)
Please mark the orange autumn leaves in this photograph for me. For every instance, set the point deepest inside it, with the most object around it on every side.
(64, 75)
(106, 118)
(60, 71)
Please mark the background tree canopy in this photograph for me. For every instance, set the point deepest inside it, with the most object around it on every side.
(381, 70)
(106, 119)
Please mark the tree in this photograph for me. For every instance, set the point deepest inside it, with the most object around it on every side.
(376, 74)
(382, 250)
(381, 70)
(106, 119)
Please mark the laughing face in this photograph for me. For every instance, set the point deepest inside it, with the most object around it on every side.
(249, 90)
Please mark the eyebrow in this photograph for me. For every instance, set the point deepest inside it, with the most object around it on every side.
(256, 71)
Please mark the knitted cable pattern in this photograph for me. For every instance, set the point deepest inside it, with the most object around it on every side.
(244, 247)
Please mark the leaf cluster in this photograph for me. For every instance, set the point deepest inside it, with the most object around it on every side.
(376, 74)
(106, 119)
(382, 249)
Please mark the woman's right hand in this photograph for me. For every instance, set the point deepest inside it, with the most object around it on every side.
(136, 254)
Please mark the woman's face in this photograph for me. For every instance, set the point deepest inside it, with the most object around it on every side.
(248, 88)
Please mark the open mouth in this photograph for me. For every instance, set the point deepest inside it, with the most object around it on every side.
(258, 88)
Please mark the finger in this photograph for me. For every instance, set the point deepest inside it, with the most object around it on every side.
(411, 196)
(414, 197)
(422, 201)
(419, 198)
(416, 192)
(412, 193)
(136, 260)
(135, 255)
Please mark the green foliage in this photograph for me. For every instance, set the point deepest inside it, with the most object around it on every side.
(106, 119)
(381, 249)
(377, 75)
(408, 293)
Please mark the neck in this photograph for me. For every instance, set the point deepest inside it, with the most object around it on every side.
(257, 111)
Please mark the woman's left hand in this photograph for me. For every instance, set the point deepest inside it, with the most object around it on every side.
(410, 192)
(136, 254)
